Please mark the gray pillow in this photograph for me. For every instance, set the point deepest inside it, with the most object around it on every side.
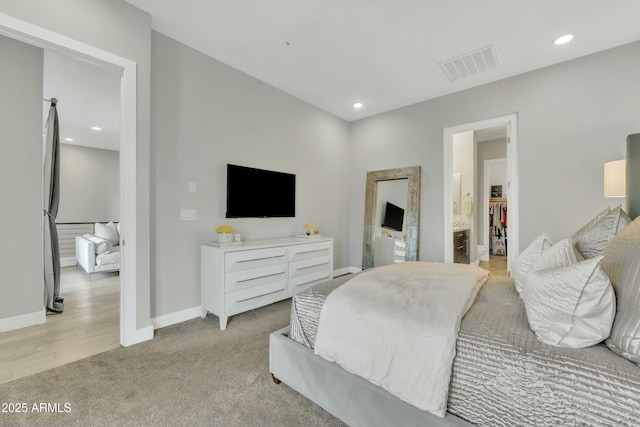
(621, 262)
(592, 239)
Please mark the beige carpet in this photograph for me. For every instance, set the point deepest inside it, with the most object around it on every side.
(190, 374)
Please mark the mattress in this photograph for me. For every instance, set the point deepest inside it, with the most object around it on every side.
(503, 376)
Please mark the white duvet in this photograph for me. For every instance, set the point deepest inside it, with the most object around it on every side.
(397, 326)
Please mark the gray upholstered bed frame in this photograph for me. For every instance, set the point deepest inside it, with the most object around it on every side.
(350, 398)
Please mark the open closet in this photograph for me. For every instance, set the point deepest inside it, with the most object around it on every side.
(498, 221)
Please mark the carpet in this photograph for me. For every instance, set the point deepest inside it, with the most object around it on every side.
(190, 374)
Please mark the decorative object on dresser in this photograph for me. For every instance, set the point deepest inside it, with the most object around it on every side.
(309, 228)
(260, 272)
(309, 231)
(225, 233)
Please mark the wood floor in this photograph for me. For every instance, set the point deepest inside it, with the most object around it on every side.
(90, 324)
(497, 265)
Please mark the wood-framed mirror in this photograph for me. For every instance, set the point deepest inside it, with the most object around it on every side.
(412, 211)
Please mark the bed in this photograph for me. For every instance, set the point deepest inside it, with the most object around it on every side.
(505, 371)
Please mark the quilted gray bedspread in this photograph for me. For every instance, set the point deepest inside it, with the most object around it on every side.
(503, 376)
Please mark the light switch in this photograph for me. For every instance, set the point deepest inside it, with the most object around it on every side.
(192, 187)
(187, 214)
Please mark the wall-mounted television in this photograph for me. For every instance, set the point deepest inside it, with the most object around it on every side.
(259, 193)
(393, 217)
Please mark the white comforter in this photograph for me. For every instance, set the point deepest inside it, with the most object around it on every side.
(397, 326)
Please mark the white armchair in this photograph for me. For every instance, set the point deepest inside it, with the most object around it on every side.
(99, 252)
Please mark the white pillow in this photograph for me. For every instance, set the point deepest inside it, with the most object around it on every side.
(570, 303)
(592, 239)
(102, 245)
(520, 266)
(559, 254)
(107, 231)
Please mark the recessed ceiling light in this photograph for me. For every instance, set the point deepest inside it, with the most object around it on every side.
(96, 128)
(69, 139)
(563, 39)
(358, 105)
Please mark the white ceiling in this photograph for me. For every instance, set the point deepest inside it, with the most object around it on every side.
(88, 95)
(386, 53)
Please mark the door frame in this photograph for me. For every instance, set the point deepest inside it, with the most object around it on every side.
(37, 36)
(511, 121)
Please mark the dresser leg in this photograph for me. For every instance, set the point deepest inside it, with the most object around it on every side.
(223, 323)
(204, 312)
(275, 380)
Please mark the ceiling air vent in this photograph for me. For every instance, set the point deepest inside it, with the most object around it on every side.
(471, 63)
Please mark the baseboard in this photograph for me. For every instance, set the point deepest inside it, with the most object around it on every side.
(177, 317)
(23, 320)
(193, 312)
(67, 262)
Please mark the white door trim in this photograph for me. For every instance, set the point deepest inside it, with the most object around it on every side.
(511, 120)
(38, 36)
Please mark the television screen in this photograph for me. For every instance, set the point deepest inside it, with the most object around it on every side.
(259, 193)
(393, 217)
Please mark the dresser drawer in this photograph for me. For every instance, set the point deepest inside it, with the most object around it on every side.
(245, 279)
(309, 250)
(309, 271)
(244, 260)
(309, 265)
(247, 299)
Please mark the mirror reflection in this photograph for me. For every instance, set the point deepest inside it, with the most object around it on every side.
(392, 212)
(390, 244)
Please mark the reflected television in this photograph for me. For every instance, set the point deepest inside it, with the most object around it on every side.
(393, 217)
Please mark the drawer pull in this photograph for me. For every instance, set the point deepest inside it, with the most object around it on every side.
(260, 259)
(260, 277)
(313, 250)
(258, 296)
(312, 266)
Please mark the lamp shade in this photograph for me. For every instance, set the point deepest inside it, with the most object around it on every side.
(615, 178)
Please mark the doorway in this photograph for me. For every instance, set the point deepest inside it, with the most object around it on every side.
(474, 191)
(43, 38)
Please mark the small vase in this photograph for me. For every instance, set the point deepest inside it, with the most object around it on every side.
(225, 237)
(308, 231)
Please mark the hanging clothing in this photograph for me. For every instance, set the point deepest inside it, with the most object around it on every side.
(498, 220)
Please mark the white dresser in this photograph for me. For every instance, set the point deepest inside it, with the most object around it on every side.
(235, 279)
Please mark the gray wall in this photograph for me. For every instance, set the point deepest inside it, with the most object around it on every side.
(21, 178)
(89, 184)
(572, 118)
(118, 27)
(205, 115)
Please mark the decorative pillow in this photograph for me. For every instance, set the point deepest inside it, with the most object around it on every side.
(622, 264)
(102, 245)
(560, 254)
(592, 239)
(520, 266)
(107, 231)
(572, 305)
